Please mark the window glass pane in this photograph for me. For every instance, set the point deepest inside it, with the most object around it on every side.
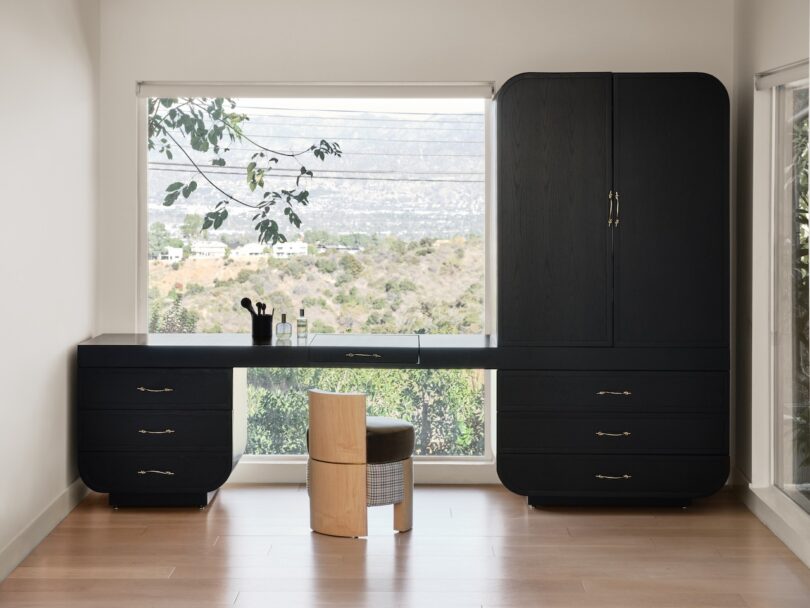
(792, 363)
(445, 406)
(385, 236)
(381, 206)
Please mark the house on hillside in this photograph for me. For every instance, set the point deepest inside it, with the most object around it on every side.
(208, 249)
(324, 248)
(290, 249)
(250, 250)
(172, 254)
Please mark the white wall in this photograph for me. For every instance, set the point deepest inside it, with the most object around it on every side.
(48, 67)
(766, 35)
(363, 40)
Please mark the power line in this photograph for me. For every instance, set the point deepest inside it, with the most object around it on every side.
(345, 153)
(360, 111)
(379, 127)
(388, 141)
(325, 178)
(421, 121)
(319, 171)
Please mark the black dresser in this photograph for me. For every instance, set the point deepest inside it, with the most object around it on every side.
(613, 260)
(158, 436)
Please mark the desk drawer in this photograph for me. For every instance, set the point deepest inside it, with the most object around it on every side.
(149, 430)
(617, 433)
(613, 391)
(364, 350)
(610, 476)
(134, 472)
(365, 357)
(130, 388)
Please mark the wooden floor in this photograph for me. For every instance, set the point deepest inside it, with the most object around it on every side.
(470, 546)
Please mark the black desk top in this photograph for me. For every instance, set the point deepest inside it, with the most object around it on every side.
(377, 350)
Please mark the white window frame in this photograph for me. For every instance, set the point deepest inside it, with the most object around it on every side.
(779, 512)
(292, 468)
(779, 273)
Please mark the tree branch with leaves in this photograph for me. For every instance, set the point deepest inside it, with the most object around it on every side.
(211, 126)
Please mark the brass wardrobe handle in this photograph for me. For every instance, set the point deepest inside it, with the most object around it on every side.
(143, 389)
(610, 208)
(163, 432)
(370, 355)
(619, 393)
(625, 476)
(616, 221)
(155, 472)
(622, 434)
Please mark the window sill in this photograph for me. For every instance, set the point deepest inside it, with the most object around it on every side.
(292, 469)
(787, 520)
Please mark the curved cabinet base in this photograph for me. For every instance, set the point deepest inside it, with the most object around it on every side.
(580, 501)
(188, 499)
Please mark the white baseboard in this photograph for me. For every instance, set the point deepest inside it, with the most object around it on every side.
(257, 470)
(34, 533)
(787, 520)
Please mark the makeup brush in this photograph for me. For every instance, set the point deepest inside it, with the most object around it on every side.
(248, 305)
(261, 307)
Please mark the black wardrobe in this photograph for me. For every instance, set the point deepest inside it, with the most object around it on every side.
(613, 262)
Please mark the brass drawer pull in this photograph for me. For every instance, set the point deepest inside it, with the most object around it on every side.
(147, 471)
(370, 355)
(163, 432)
(619, 393)
(143, 389)
(622, 434)
(625, 476)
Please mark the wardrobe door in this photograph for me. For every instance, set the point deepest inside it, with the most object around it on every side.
(671, 232)
(554, 172)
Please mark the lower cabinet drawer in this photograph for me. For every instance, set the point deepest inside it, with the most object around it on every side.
(134, 472)
(681, 391)
(586, 475)
(153, 431)
(549, 432)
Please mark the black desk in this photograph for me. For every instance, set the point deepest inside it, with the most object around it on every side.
(158, 424)
(395, 351)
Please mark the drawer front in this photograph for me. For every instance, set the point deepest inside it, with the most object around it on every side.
(549, 432)
(613, 391)
(134, 472)
(612, 475)
(131, 388)
(112, 430)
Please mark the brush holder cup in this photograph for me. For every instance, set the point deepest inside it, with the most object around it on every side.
(262, 329)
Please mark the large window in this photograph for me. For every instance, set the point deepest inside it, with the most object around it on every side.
(367, 213)
(792, 293)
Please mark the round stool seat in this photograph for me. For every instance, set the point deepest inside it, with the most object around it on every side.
(388, 439)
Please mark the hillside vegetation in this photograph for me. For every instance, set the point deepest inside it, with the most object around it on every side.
(392, 285)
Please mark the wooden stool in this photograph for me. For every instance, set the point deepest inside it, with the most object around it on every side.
(356, 462)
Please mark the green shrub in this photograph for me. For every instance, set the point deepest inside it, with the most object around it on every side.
(351, 265)
(326, 265)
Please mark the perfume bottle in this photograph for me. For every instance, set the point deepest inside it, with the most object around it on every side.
(283, 331)
(301, 327)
